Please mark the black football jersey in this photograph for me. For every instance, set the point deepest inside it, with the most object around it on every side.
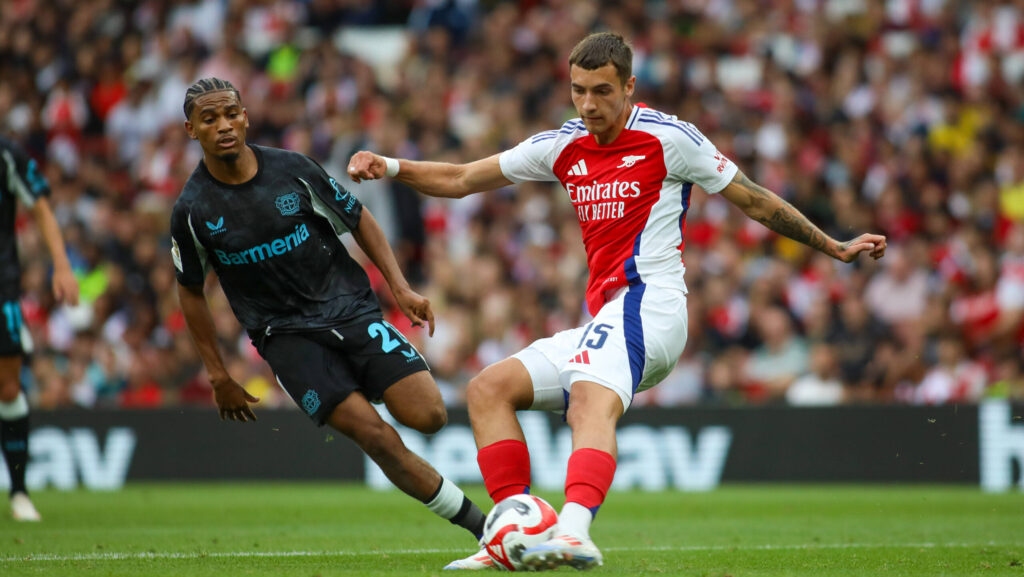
(20, 180)
(274, 243)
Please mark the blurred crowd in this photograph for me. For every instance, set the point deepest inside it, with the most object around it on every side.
(903, 117)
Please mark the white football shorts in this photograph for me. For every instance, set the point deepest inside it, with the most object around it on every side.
(631, 345)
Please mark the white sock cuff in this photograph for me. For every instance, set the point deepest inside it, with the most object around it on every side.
(448, 501)
(15, 409)
(575, 520)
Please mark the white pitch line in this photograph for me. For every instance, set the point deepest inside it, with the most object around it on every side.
(48, 557)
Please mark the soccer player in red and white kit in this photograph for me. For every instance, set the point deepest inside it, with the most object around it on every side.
(628, 171)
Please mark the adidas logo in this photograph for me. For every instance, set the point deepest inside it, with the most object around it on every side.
(578, 169)
(582, 358)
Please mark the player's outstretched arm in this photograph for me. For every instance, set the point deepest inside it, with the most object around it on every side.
(371, 239)
(232, 400)
(65, 286)
(769, 209)
(439, 179)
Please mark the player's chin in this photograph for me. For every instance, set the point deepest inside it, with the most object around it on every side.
(229, 156)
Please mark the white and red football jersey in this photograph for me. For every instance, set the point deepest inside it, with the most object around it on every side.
(631, 196)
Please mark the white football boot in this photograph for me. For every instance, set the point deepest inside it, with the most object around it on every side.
(577, 552)
(22, 508)
(475, 562)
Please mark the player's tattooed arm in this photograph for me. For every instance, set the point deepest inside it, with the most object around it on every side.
(769, 209)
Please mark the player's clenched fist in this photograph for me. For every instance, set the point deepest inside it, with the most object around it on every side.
(416, 307)
(365, 165)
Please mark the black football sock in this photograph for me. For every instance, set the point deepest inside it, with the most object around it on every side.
(449, 502)
(14, 442)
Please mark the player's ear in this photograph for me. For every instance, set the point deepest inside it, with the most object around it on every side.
(630, 86)
(245, 115)
(188, 129)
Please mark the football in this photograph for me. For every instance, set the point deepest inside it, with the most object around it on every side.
(516, 524)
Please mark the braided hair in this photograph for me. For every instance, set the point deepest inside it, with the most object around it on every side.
(204, 86)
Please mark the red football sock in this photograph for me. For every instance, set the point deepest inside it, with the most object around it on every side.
(505, 466)
(589, 476)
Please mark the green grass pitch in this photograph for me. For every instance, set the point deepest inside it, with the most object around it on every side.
(311, 530)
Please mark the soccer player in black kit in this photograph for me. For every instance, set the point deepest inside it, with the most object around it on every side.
(268, 222)
(20, 179)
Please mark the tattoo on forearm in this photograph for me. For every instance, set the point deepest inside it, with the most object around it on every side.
(759, 194)
(785, 220)
(789, 222)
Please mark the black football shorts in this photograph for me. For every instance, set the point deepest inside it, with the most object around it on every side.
(320, 369)
(12, 333)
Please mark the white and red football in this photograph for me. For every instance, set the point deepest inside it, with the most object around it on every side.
(516, 524)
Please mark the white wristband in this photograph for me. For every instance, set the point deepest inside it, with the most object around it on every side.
(392, 170)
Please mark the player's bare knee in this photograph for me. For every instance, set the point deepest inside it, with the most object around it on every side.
(436, 419)
(589, 411)
(432, 425)
(428, 420)
(9, 389)
(575, 416)
(484, 393)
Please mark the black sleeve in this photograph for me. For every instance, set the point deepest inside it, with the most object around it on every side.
(189, 256)
(23, 176)
(332, 201)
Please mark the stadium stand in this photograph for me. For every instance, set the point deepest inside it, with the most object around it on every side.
(901, 117)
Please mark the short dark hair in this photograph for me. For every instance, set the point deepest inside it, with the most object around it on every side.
(204, 86)
(600, 48)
